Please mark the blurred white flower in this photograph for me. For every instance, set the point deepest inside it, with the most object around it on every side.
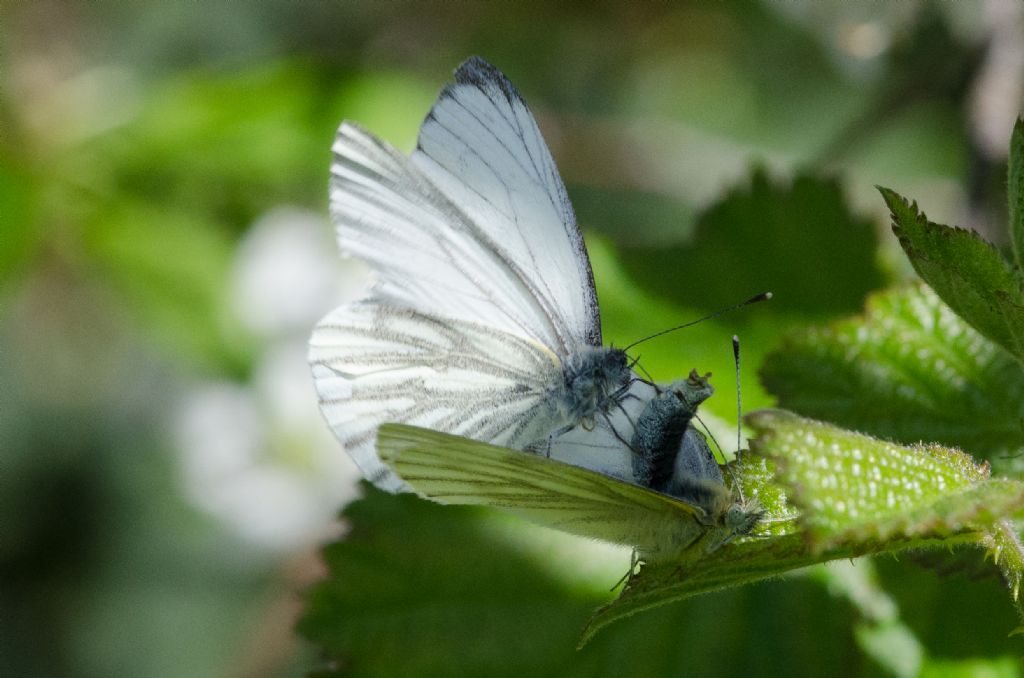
(261, 459)
(289, 273)
(259, 456)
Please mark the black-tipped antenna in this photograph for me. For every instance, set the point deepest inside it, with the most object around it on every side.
(764, 296)
(739, 412)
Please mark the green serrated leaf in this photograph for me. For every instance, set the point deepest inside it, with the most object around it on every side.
(852, 487)
(857, 492)
(419, 589)
(967, 272)
(909, 369)
(1015, 190)
(1004, 545)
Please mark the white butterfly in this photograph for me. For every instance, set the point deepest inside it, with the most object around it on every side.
(483, 319)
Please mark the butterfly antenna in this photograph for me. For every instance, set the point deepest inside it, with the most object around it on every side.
(764, 296)
(739, 415)
(721, 452)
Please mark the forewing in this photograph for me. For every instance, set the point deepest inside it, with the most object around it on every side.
(426, 253)
(374, 364)
(453, 470)
(477, 226)
(481, 146)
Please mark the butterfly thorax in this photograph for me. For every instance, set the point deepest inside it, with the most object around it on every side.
(595, 380)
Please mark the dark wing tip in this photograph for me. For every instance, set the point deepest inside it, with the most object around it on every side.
(478, 72)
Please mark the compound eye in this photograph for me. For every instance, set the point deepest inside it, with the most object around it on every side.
(735, 516)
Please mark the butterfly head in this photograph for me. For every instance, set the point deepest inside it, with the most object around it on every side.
(732, 519)
(743, 516)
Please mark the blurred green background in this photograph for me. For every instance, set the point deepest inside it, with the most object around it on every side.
(166, 480)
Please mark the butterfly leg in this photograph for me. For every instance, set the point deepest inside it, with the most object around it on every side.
(634, 561)
(551, 436)
(636, 363)
(617, 434)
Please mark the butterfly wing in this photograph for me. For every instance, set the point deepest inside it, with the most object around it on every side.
(482, 282)
(477, 225)
(604, 446)
(481, 146)
(374, 363)
(453, 470)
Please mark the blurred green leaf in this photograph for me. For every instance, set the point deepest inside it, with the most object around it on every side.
(633, 219)
(228, 146)
(749, 243)
(929, 68)
(929, 60)
(421, 589)
(880, 631)
(968, 273)
(961, 619)
(18, 228)
(909, 369)
(1015, 190)
(172, 269)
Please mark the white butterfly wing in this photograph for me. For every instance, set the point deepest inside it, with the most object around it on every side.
(481, 146)
(477, 226)
(453, 470)
(482, 283)
(374, 363)
(425, 252)
(605, 447)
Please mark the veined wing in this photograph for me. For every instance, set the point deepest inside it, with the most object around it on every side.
(481, 146)
(479, 231)
(374, 363)
(453, 470)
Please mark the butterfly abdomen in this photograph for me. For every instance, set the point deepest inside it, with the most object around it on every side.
(656, 439)
(660, 433)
